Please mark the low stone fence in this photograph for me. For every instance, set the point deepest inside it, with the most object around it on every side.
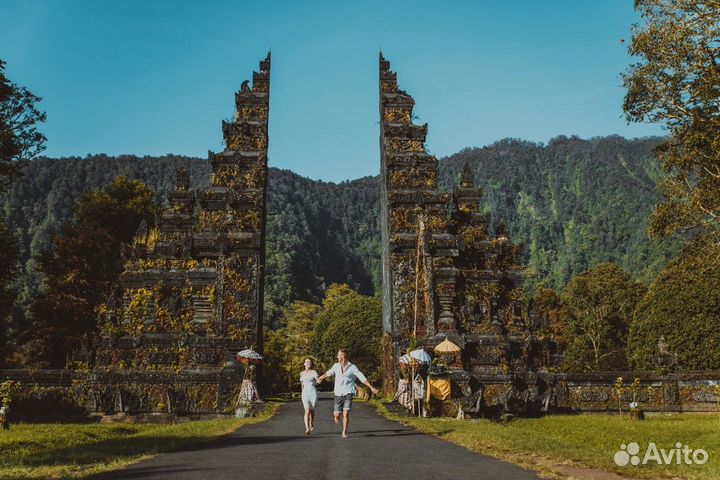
(45, 395)
(679, 392)
(696, 391)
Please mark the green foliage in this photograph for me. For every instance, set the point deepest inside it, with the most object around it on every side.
(345, 319)
(19, 138)
(8, 271)
(118, 209)
(572, 203)
(276, 374)
(320, 233)
(353, 322)
(8, 390)
(335, 297)
(683, 305)
(677, 83)
(600, 305)
(80, 270)
(19, 141)
(286, 348)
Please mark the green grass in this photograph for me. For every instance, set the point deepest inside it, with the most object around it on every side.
(34, 451)
(555, 444)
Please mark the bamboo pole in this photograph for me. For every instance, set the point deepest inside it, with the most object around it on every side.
(419, 260)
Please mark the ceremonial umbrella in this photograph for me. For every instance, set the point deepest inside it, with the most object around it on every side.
(421, 356)
(249, 356)
(416, 356)
(446, 346)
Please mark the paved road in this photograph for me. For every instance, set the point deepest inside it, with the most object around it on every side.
(279, 449)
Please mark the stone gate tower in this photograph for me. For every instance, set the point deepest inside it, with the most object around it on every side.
(192, 289)
(444, 275)
(414, 224)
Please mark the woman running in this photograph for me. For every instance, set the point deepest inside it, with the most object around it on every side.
(308, 379)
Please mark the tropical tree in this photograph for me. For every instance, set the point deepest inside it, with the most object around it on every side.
(19, 141)
(81, 268)
(287, 347)
(353, 322)
(335, 296)
(19, 138)
(118, 209)
(684, 306)
(676, 82)
(601, 302)
(8, 271)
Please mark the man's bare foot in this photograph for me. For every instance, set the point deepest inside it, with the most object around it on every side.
(312, 428)
(344, 435)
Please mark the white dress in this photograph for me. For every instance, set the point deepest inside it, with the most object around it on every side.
(309, 392)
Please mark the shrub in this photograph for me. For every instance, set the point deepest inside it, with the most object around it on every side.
(682, 304)
(352, 322)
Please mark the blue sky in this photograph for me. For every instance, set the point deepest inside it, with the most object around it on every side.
(155, 77)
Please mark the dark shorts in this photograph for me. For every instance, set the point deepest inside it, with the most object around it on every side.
(343, 402)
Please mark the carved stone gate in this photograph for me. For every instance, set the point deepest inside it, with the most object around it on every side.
(193, 285)
(192, 289)
(444, 275)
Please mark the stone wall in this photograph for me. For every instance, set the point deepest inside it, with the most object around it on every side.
(71, 394)
(535, 393)
(47, 395)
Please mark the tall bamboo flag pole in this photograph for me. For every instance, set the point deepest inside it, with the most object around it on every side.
(418, 257)
(419, 260)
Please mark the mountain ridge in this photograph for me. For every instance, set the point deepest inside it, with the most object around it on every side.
(572, 202)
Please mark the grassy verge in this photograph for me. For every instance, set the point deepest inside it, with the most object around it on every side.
(34, 451)
(565, 445)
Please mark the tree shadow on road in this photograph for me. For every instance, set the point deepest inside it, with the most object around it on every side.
(372, 434)
(144, 472)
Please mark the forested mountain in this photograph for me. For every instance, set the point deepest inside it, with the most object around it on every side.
(318, 233)
(572, 202)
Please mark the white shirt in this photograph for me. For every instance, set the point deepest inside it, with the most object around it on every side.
(345, 381)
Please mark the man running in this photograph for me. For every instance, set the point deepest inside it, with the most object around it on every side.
(345, 375)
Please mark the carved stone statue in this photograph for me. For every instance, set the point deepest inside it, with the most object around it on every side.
(665, 360)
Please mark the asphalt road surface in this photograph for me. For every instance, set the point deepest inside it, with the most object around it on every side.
(279, 449)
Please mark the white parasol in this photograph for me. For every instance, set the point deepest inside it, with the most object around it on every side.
(421, 356)
(249, 356)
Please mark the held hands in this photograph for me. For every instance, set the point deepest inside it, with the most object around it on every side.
(372, 389)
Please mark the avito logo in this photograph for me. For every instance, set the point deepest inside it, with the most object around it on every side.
(681, 454)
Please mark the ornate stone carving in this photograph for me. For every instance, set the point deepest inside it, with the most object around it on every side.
(469, 282)
(193, 284)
